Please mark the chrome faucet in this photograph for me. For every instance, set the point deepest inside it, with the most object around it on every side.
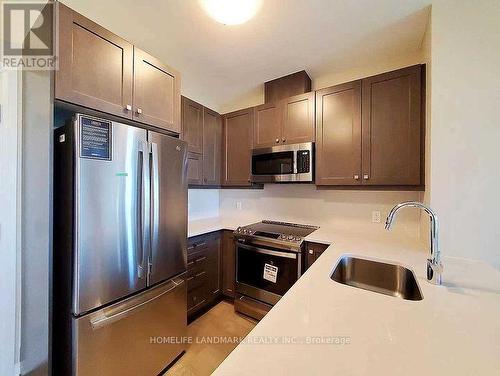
(434, 266)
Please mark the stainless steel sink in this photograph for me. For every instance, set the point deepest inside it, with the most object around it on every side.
(381, 277)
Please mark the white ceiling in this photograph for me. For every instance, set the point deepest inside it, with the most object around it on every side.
(219, 63)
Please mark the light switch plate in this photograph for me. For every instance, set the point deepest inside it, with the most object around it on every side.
(238, 205)
(375, 216)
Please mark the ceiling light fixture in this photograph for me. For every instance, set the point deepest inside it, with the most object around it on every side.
(231, 12)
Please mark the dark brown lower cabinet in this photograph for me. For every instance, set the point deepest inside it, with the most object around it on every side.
(203, 271)
(313, 251)
(228, 264)
(210, 270)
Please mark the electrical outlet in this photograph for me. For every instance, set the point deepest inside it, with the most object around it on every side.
(238, 205)
(375, 216)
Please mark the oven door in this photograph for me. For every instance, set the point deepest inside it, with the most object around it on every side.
(265, 274)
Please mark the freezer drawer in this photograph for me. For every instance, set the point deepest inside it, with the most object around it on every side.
(138, 336)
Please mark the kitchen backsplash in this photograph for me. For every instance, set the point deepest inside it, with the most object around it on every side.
(203, 203)
(306, 204)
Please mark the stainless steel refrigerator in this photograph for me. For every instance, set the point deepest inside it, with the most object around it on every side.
(120, 231)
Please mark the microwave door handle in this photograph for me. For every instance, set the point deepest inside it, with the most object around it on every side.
(295, 156)
(155, 203)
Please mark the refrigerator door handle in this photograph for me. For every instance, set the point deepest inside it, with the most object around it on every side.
(155, 204)
(103, 320)
(143, 209)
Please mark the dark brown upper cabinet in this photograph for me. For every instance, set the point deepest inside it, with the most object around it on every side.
(195, 169)
(369, 132)
(192, 125)
(392, 126)
(237, 144)
(212, 147)
(338, 135)
(95, 65)
(267, 128)
(289, 121)
(287, 86)
(157, 93)
(298, 119)
(104, 72)
(202, 130)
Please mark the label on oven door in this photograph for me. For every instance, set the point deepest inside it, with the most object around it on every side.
(270, 273)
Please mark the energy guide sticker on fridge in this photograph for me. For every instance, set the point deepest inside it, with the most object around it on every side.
(95, 138)
(270, 273)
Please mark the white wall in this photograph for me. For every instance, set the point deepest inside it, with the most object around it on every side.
(359, 70)
(203, 203)
(427, 59)
(465, 152)
(10, 135)
(36, 221)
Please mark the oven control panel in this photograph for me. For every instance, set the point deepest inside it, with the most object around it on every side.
(269, 235)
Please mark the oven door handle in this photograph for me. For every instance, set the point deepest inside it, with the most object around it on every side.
(269, 251)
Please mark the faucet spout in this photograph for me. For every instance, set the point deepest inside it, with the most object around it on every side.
(434, 266)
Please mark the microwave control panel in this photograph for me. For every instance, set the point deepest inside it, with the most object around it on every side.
(303, 161)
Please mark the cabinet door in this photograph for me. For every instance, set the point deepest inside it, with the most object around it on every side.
(212, 148)
(192, 125)
(157, 93)
(392, 128)
(195, 169)
(237, 143)
(228, 264)
(267, 125)
(313, 251)
(338, 135)
(95, 66)
(298, 119)
(214, 266)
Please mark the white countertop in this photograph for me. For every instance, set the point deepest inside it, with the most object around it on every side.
(454, 330)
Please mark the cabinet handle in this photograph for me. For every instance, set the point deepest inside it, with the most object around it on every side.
(366, 176)
(283, 139)
(128, 107)
(356, 177)
(277, 140)
(139, 110)
(311, 252)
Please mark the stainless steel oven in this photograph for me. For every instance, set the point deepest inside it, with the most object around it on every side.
(283, 164)
(265, 273)
(269, 258)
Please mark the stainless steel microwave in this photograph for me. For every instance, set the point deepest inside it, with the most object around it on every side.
(283, 164)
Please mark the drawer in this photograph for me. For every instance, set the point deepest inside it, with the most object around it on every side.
(197, 262)
(196, 280)
(197, 298)
(197, 244)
